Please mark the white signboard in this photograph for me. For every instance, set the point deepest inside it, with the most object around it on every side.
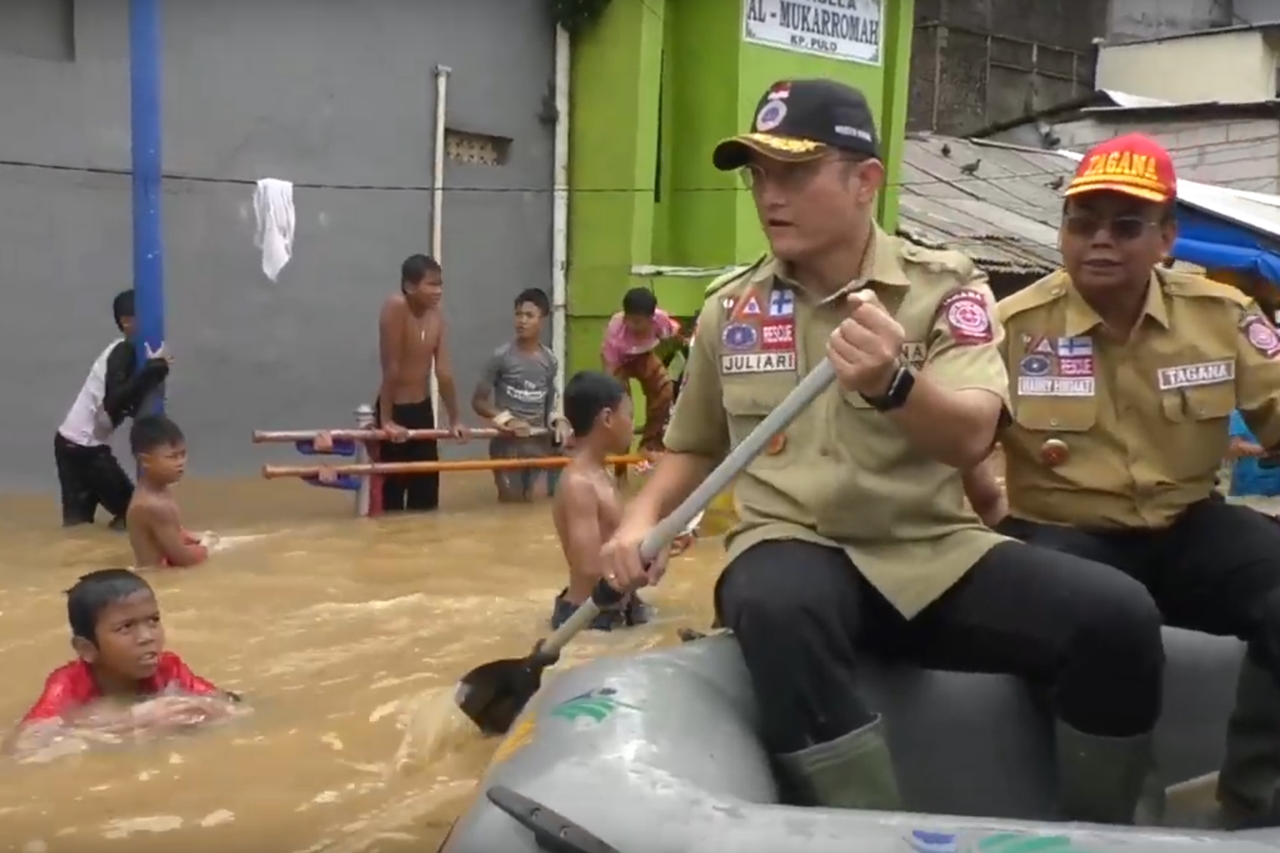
(847, 30)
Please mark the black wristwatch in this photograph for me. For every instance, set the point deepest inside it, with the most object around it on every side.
(895, 396)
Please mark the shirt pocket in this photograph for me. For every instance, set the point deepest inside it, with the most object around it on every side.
(1197, 420)
(748, 400)
(1048, 415)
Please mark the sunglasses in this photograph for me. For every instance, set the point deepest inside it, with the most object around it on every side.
(1120, 227)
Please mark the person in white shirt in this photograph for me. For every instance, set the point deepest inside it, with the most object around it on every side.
(89, 474)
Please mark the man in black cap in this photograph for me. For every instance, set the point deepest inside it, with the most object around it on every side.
(854, 534)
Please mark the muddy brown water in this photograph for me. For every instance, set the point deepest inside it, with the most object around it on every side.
(347, 637)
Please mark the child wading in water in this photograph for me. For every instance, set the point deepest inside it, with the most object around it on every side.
(123, 679)
(155, 524)
(587, 506)
(629, 352)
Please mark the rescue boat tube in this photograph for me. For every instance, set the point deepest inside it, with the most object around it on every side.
(658, 753)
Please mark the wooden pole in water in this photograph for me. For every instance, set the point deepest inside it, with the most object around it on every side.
(274, 472)
(263, 436)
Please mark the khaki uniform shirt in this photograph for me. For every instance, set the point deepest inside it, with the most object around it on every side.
(843, 474)
(1140, 427)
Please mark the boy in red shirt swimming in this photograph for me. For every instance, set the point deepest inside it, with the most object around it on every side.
(154, 523)
(122, 678)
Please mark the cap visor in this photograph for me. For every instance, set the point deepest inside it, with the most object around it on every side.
(1124, 189)
(734, 153)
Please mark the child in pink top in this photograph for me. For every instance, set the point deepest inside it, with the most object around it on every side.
(628, 353)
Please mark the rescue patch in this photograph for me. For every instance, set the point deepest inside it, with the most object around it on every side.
(967, 317)
(1079, 365)
(778, 335)
(757, 362)
(1261, 335)
(1190, 375)
(740, 336)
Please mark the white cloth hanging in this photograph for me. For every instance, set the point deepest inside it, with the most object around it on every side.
(273, 210)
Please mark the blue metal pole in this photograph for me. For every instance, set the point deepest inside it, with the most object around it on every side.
(148, 235)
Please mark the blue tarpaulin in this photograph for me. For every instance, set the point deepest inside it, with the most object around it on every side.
(1217, 244)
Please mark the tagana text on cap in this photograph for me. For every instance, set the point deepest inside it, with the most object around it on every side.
(1132, 164)
(799, 120)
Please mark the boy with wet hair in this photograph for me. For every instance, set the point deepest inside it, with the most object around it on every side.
(155, 524)
(587, 506)
(89, 475)
(123, 678)
(629, 352)
(517, 394)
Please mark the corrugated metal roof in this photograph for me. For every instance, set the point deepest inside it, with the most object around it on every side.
(1004, 213)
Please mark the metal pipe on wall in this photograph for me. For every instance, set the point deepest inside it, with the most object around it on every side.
(148, 229)
(437, 198)
(560, 210)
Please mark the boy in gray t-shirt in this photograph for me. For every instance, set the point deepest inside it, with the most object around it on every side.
(517, 394)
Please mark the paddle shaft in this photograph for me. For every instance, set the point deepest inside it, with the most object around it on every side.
(670, 527)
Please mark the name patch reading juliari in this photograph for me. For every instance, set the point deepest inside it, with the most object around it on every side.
(1055, 386)
(758, 362)
(1189, 375)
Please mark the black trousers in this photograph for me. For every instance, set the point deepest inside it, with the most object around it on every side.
(411, 491)
(89, 477)
(1216, 569)
(803, 616)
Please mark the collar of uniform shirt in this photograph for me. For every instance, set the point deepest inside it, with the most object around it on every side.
(1082, 319)
(881, 259)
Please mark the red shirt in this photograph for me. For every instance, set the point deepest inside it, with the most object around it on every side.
(71, 686)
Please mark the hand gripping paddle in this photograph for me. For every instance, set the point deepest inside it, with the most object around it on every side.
(494, 694)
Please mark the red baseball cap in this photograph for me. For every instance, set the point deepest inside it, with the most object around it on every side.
(1132, 164)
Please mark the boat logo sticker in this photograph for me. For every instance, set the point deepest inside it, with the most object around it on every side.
(771, 115)
(967, 317)
(594, 705)
(1188, 375)
(740, 336)
(927, 841)
(1261, 335)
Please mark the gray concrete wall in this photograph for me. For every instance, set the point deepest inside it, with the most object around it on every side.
(1129, 20)
(306, 90)
(1244, 154)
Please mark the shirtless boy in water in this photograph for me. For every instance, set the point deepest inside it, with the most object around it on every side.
(155, 526)
(587, 506)
(411, 342)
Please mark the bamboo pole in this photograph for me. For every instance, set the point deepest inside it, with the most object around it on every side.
(263, 436)
(273, 472)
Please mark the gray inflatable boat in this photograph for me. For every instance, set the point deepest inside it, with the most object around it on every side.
(658, 753)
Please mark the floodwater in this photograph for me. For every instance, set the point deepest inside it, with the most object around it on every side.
(345, 635)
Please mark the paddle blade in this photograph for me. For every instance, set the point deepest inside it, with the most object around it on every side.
(494, 694)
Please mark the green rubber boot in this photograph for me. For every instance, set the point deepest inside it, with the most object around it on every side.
(1249, 784)
(851, 772)
(1104, 779)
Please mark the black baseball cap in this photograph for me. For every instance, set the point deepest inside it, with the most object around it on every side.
(800, 120)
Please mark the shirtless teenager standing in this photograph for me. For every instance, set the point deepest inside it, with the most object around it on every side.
(412, 340)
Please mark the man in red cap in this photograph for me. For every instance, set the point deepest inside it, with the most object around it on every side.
(1124, 378)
